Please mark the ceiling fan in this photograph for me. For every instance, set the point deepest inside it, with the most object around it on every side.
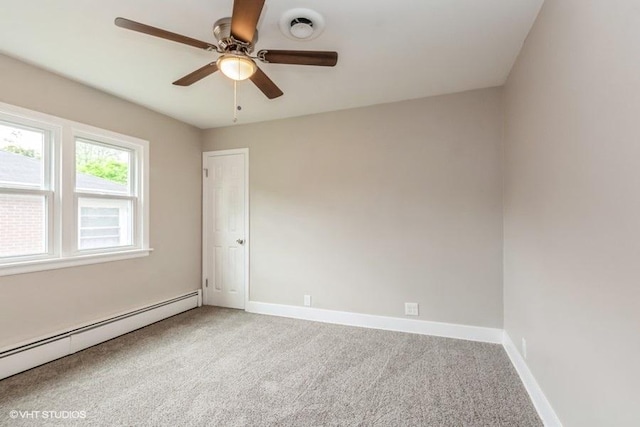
(237, 37)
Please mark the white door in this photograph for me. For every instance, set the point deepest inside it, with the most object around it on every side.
(225, 251)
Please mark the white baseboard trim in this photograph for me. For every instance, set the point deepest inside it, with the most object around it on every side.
(542, 405)
(422, 327)
(29, 355)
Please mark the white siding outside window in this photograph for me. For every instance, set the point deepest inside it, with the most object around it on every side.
(104, 223)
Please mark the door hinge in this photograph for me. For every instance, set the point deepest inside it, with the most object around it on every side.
(206, 173)
(206, 283)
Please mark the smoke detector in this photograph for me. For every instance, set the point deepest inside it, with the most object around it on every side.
(301, 24)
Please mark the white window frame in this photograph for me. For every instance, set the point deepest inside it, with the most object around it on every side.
(49, 187)
(62, 224)
(135, 188)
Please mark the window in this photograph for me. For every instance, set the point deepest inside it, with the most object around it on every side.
(25, 190)
(69, 194)
(105, 195)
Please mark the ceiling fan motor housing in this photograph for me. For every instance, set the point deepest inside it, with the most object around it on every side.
(222, 33)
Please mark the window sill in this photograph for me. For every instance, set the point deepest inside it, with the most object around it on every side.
(56, 263)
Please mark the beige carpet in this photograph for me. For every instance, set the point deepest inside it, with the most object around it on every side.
(220, 367)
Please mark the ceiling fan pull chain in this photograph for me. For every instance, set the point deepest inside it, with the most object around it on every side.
(235, 101)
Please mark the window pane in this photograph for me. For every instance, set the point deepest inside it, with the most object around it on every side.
(104, 223)
(102, 169)
(21, 161)
(22, 225)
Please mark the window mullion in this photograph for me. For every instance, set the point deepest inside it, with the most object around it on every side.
(67, 184)
(54, 183)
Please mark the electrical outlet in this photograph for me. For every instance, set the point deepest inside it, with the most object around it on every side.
(307, 300)
(411, 308)
(524, 348)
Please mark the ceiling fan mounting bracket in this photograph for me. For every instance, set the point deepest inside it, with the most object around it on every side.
(261, 55)
(230, 44)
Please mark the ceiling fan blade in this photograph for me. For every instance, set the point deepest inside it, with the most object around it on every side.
(197, 75)
(299, 57)
(265, 84)
(163, 34)
(245, 19)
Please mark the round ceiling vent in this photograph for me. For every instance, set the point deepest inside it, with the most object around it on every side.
(301, 24)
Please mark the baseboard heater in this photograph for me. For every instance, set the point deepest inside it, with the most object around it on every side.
(38, 352)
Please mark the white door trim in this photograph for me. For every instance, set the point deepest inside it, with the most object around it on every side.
(205, 218)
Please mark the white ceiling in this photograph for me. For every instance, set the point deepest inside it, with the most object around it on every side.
(388, 51)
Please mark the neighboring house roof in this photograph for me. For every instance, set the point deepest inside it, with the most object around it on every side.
(19, 168)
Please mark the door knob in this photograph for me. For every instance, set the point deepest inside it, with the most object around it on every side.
(240, 241)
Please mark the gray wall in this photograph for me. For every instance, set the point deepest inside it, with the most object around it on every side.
(369, 208)
(572, 208)
(40, 303)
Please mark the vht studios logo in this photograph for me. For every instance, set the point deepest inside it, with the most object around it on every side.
(60, 415)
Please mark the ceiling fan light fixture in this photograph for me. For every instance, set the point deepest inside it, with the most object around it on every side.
(236, 67)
